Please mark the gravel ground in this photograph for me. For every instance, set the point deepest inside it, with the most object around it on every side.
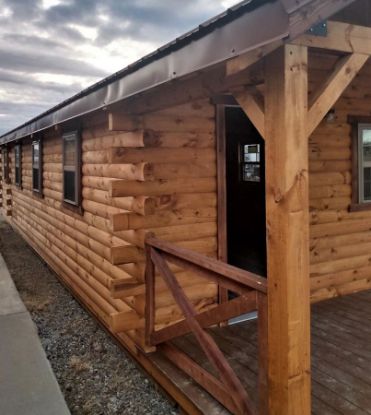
(95, 375)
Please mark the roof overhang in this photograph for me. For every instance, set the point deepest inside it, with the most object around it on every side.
(254, 26)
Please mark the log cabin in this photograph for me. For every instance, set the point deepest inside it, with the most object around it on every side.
(224, 174)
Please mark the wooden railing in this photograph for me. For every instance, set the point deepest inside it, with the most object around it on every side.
(252, 290)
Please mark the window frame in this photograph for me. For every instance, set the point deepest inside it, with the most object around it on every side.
(5, 164)
(73, 204)
(358, 124)
(37, 191)
(18, 147)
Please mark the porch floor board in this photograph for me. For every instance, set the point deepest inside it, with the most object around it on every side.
(341, 355)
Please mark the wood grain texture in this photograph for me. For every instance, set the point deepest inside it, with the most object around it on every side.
(287, 194)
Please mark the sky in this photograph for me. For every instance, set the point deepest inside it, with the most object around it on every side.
(51, 49)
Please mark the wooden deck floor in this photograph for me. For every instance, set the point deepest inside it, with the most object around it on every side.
(341, 357)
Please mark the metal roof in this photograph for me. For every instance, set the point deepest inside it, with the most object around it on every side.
(237, 30)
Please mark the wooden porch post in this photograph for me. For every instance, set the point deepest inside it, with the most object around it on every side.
(286, 109)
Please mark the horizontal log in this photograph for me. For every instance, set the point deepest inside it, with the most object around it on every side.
(126, 254)
(329, 178)
(101, 183)
(330, 191)
(149, 138)
(143, 205)
(340, 265)
(125, 321)
(330, 203)
(123, 221)
(340, 290)
(123, 289)
(119, 188)
(171, 233)
(180, 139)
(157, 155)
(327, 244)
(340, 228)
(123, 122)
(100, 209)
(194, 293)
(346, 251)
(178, 170)
(329, 154)
(114, 139)
(139, 171)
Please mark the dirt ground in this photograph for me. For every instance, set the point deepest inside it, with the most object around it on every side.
(95, 375)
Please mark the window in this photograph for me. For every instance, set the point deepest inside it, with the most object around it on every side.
(5, 164)
(37, 166)
(18, 164)
(361, 163)
(250, 162)
(364, 162)
(72, 168)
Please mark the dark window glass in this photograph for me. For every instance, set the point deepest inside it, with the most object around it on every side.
(71, 168)
(367, 183)
(69, 186)
(36, 166)
(18, 162)
(5, 164)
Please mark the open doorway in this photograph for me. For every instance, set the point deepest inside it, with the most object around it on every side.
(245, 193)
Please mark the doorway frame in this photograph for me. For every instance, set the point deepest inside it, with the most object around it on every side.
(221, 102)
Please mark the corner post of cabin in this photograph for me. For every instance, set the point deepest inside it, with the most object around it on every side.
(287, 206)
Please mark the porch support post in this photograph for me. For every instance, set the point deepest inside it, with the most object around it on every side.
(286, 109)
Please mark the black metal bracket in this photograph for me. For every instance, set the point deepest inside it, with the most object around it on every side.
(320, 29)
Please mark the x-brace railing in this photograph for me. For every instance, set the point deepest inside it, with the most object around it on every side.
(251, 289)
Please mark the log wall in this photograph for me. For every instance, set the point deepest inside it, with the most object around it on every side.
(157, 174)
(340, 245)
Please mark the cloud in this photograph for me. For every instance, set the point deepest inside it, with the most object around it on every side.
(51, 49)
(42, 63)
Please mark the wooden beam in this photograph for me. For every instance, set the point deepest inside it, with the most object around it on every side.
(327, 95)
(341, 37)
(315, 11)
(244, 61)
(287, 195)
(221, 149)
(203, 84)
(252, 102)
(210, 266)
(234, 308)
